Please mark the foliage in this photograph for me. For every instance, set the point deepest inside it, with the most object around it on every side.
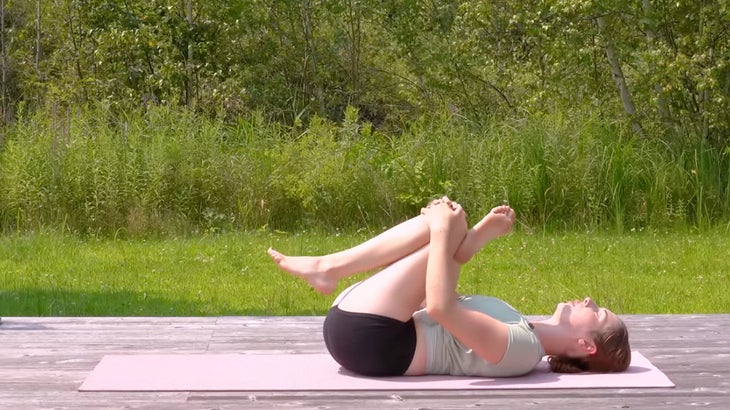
(172, 171)
(394, 61)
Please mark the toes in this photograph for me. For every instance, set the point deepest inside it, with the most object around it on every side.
(505, 210)
(276, 255)
(502, 209)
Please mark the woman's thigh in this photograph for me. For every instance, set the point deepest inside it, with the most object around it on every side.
(396, 291)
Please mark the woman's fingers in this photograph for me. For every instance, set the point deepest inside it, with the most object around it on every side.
(433, 203)
(453, 205)
(443, 200)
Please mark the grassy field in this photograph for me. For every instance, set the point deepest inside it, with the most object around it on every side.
(230, 274)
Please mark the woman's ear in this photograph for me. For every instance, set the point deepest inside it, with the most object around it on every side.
(587, 346)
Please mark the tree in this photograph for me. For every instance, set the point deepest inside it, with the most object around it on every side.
(38, 38)
(617, 72)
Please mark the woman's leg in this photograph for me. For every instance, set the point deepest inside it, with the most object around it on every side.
(403, 281)
(396, 291)
(399, 289)
(323, 272)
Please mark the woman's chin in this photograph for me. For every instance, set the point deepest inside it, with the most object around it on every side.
(562, 311)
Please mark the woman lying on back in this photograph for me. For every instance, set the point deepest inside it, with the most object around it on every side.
(408, 319)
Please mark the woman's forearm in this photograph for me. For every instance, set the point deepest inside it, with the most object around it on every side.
(442, 276)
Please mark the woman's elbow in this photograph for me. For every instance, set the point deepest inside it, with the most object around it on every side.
(438, 311)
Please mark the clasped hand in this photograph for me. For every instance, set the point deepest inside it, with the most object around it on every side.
(445, 216)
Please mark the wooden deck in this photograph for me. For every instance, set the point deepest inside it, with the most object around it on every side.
(43, 361)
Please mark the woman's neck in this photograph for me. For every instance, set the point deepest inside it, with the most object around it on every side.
(553, 337)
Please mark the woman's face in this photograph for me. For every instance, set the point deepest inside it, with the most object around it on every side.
(585, 316)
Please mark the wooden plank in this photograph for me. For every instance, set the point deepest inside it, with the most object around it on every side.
(44, 360)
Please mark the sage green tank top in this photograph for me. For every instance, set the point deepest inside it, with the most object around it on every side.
(447, 355)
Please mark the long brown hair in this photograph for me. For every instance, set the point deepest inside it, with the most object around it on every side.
(613, 354)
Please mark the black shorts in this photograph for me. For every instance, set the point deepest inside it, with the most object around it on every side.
(368, 344)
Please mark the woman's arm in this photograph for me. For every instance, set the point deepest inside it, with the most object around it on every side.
(495, 224)
(485, 335)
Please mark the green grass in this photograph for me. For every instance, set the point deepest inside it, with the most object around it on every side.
(230, 274)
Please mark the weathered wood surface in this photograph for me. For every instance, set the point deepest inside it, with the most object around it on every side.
(43, 361)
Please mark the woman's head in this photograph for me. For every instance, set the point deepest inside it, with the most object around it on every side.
(602, 339)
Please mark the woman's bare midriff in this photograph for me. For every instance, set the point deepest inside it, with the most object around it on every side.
(418, 363)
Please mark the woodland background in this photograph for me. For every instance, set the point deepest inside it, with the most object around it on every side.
(147, 117)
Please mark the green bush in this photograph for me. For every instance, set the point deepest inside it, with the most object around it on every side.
(169, 171)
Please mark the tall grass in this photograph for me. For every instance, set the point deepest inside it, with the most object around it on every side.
(169, 171)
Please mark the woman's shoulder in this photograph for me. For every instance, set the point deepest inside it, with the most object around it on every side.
(483, 300)
(491, 306)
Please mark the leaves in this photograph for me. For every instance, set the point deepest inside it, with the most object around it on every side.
(394, 60)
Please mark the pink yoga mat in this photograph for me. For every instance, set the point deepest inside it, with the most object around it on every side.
(310, 372)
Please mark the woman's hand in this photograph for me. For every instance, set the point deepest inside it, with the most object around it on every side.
(447, 221)
(443, 199)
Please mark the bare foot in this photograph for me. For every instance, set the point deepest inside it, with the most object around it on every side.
(498, 222)
(308, 268)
